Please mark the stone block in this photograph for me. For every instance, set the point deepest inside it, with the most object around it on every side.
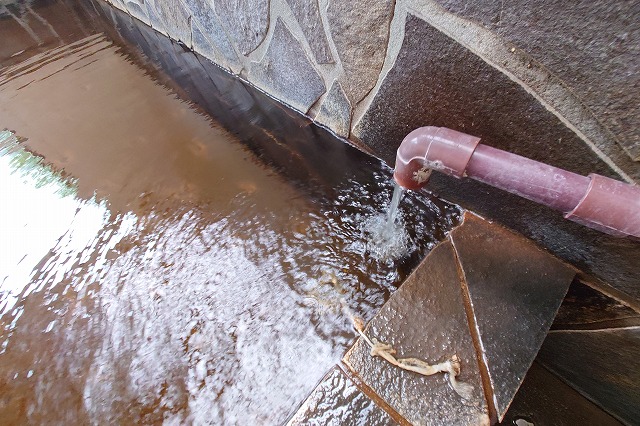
(360, 32)
(176, 20)
(585, 308)
(424, 319)
(435, 81)
(286, 72)
(592, 46)
(209, 37)
(338, 401)
(514, 291)
(335, 111)
(603, 365)
(246, 21)
(544, 399)
(307, 13)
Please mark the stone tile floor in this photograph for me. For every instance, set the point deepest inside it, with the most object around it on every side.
(487, 295)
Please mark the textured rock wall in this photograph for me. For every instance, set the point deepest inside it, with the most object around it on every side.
(554, 81)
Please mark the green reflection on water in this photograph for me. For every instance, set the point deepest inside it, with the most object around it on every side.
(33, 167)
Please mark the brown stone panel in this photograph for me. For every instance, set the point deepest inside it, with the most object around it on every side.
(514, 290)
(593, 46)
(603, 365)
(246, 21)
(360, 32)
(424, 319)
(286, 72)
(338, 401)
(307, 13)
(545, 400)
(587, 308)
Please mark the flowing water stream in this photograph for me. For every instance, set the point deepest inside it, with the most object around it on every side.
(167, 255)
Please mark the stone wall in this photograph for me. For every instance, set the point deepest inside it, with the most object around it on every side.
(554, 81)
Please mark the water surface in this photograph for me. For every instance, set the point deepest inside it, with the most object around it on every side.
(160, 264)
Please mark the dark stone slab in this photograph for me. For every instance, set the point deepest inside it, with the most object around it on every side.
(586, 308)
(286, 71)
(545, 400)
(308, 15)
(593, 46)
(514, 291)
(339, 401)
(360, 32)
(466, 94)
(424, 319)
(603, 365)
(176, 20)
(246, 21)
(209, 38)
(335, 111)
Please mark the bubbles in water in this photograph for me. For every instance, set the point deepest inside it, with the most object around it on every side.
(388, 240)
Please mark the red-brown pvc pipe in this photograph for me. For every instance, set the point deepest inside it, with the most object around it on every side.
(595, 201)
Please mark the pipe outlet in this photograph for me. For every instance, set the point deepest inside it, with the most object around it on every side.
(596, 201)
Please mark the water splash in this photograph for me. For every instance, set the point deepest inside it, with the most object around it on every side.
(388, 239)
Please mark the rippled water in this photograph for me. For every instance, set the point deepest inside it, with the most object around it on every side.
(154, 268)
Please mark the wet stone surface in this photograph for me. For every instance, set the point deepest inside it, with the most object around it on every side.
(338, 401)
(514, 291)
(545, 400)
(604, 365)
(164, 265)
(424, 319)
(586, 308)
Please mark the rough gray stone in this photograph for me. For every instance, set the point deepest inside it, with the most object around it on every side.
(543, 399)
(360, 32)
(137, 11)
(514, 291)
(286, 72)
(594, 46)
(338, 401)
(176, 20)
(602, 364)
(308, 15)
(246, 21)
(154, 19)
(209, 38)
(424, 319)
(335, 111)
(467, 94)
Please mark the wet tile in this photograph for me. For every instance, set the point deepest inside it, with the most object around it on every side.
(338, 401)
(424, 319)
(514, 290)
(545, 400)
(603, 365)
(585, 307)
